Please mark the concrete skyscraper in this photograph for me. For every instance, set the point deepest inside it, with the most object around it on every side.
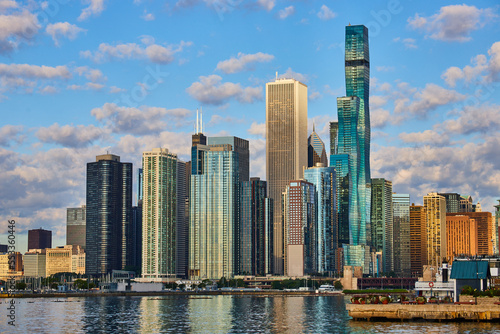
(286, 148)
(352, 158)
(159, 214)
(109, 209)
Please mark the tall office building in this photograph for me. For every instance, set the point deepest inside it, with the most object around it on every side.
(34, 263)
(39, 239)
(401, 232)
(182, 219)
(286, 148)
(461, 236)
(159, 214)
(76, 225)
(324, 180)
(382, 232)
(334, 129)
(353, 149)
(135, 262)
(435, 213)
(214, 219)
(300, 228)
(140, 187)
(452, 202)
(418, 240)
(466, 204)
(496, 229)
(315, 150)
(485, 238)
(109, 208)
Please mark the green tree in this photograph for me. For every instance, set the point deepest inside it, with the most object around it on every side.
(20, 286)
(337, 285)
(81, 284)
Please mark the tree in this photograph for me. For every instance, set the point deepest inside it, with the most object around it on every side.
(81, 284)
(20, 286)
(337, 285)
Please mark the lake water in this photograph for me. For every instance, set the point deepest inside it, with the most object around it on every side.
(208, 314)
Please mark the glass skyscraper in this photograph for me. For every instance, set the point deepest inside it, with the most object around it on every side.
(353, 139)
(382, 232)
(401, 217)
(315, 150)
(109, 209)
(215, 203)
(326, 238)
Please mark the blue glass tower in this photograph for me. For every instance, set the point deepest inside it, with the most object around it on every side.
(353, 138)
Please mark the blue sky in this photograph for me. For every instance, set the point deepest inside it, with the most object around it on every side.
(79, 78)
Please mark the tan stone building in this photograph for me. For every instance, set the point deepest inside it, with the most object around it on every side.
(418, 239)
(16, 270)
(65, 259)
(435, 214)
(461, 236)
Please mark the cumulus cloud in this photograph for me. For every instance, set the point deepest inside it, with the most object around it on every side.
(47, 90)
(409, 43)
(484, 119)
(92, 74)
(290, 74)
(34, 71)
(425, 138)
(379, 118)
(155, 53)
(326, 13)
(243, 62)
(9, 133)
(147, 16)
(69, 135)
(453, 23)
(7, 4)
(63, 29)
(257, 129)
(95, 8)
(210, 90)
(482, 69)
(286, 12)
(16, 27)
(266, 4)
(139, 121)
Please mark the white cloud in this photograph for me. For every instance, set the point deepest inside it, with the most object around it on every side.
(63, 29)
(314, 96)
(409, 43)
(48, 90)
(289, 74)
(9, 133)
(34, 71)
(453, 23)
(153, 52)
(379, 118)
(243, 62)
(210, 90)
(95, 8)
(114, 90)
(385, 68)
(425, 138)
(69, 135)
(139, 121)
(92, 74)
(21, 26)
(7, 4)
(326, 13)
(284, 13)
(147, 16)
(266, 4)
(484, 119)
(258, 129)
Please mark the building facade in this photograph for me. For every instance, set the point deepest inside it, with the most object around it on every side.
(435, 214)
(76, 226)
(496, 229)
(452, 202)
(401, 232)
(34, 263)
(418, 240)
(39, 239)
(461, 236)
(159, 214)
(326, 229)
(485, 238)
(382, 232)
(315, 150)
(286, 148)
(108, 216)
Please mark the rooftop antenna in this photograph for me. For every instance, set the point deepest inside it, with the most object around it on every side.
(197, 128)
(201, 119)
(276, 75)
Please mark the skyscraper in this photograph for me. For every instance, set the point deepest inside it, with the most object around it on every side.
(286, 147)
(315, 150)
(214, 220)
(496, 231)
(401, 232)
(484, 221)
(39, 239)
(461, 236)
(159, 214)
(300, 228)
(324, 180)
(354, 141)
(452, 201)
(435, 213)
(382, 232)
(182, 218)
(76, 226)
(418, 240)
(334, 129)
(109, 207)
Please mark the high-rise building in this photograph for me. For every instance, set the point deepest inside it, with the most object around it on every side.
(324, 180)
(182, 228)
(484, 221)
(354, 141)
(39, 239)
(461, 236)
(140, 187)
(401, 232)
(466, 204)
(64, 259)
(435, 213)
(214, 219)
(109, 209)
(382, 232)
(418, 240)
(496, 229)
(334, 129)
(315, 150)
(286, 148)
(76, 225)
(159, 214)
(136, 238)
(299, 227)
(452, 202)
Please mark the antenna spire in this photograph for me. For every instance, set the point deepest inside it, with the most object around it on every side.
(201, 119)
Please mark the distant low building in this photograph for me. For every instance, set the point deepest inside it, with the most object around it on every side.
(35, 263)
(65, 259)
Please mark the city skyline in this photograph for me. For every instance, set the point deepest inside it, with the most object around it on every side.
(431, 138)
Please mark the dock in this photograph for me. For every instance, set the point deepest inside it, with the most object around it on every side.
(436, 312)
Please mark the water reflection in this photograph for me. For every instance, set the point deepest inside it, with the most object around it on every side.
(209, 314)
